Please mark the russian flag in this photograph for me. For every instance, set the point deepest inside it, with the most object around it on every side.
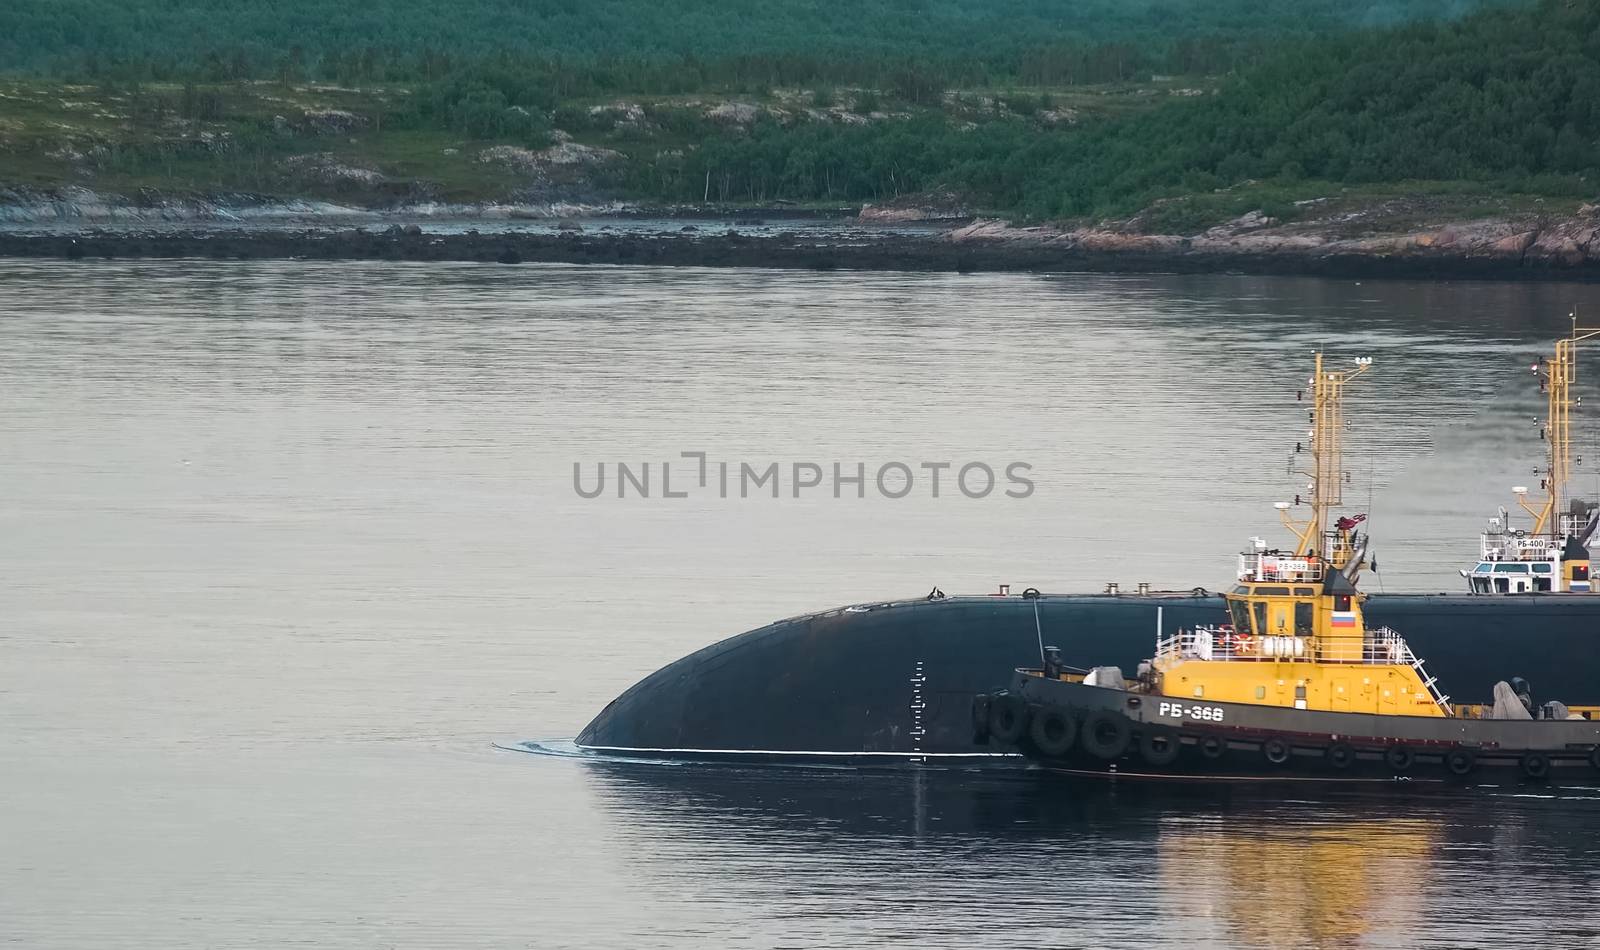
(1344, 618)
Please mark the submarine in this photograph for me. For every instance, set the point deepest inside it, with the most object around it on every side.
(891, 683)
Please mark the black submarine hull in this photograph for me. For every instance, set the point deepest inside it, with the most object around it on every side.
(892, 683)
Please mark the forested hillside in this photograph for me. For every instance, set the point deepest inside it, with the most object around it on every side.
(1038, 108)
(649, 44)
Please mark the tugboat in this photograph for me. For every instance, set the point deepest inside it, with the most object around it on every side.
(1552, 555)
(1295, 686)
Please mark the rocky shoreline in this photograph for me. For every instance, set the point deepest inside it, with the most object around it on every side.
(976, 247)
(1365, 242)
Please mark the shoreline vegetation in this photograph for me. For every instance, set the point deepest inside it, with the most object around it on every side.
(1381, 136)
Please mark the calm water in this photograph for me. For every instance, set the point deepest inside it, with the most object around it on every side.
(287, 547)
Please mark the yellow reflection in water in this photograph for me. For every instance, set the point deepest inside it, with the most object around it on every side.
(1296, 884)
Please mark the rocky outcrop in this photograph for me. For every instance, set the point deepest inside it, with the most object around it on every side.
(1559, 244)
(324, 168)
(567, 153)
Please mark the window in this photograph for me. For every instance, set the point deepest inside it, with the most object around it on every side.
(1511, 568)
(1302, 619)
(1541, 568)
(1261, 618)
(1240, 612)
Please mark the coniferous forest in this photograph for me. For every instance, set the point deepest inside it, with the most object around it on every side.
(1039, 108)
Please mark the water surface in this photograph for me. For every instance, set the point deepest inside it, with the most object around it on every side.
(288, 546)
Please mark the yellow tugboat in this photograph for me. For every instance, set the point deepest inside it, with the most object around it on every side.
(1296, 685)
(1551, 555)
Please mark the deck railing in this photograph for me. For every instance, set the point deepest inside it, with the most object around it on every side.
(1382, 646)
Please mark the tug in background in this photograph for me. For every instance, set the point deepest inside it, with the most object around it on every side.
(1552, 555)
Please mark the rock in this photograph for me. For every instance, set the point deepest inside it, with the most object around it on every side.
(622, 114)
(1514, 245)
(1249, 221)
(324, 167)
(563, 153)
(571, 153)
(330, 121)
(412, 230)
(734, 113)
(568, 225)
(688, 229)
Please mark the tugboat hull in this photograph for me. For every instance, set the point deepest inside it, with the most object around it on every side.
(1101, 730)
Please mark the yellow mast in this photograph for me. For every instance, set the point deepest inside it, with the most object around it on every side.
(1326, 471)
(1559, 375)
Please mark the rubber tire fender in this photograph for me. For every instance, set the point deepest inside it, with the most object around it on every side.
(1399, 758)
(1594, 757)
(1535, 765)
(1159, 747)
(1276, 751)
(1339, 755)
(1461, 762)
(1053, 731)
(1008, 717)
(980, 715)
(1105, 735)
(1213, 748)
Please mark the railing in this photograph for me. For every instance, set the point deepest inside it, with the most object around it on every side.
(1381, 646)
(1510, 547)
(1282, 568)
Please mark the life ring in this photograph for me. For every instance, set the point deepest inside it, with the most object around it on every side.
(1052, 730)
(1213, 748)
(1159, 747)
(1008, 717)
(1398, 758)
(1276, 751)
(980, 715)
(1460, 761)
(1340, 755)
(1535, 764)
(1105, 735)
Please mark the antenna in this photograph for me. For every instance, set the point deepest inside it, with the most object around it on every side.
(1556, 380)
(1326, 470)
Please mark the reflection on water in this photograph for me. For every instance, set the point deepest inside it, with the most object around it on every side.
(287, 545)
(1267, 885)
(950, 859)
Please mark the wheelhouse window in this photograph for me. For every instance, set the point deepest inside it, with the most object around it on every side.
(1302, 619)
(1240, 612)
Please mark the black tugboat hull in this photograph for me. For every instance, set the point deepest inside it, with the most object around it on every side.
(1102, 730)
(846, 685)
